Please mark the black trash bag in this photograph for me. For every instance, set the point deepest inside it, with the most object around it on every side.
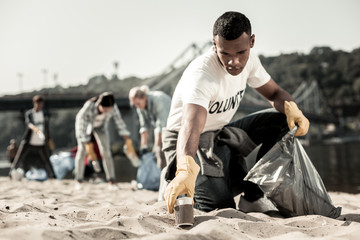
(290, 180)
(148, 173)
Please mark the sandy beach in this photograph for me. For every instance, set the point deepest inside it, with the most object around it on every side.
(54, 210)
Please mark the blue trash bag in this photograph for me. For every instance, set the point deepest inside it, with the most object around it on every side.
(36, 174)
(62, 163)
(148, 173)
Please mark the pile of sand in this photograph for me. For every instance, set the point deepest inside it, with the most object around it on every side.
(54, 210)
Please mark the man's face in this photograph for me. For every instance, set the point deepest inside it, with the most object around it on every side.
(140, 102)
(38, 105)
(234, 54)
(104, 110)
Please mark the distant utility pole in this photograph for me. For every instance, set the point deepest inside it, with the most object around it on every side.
(20, 75)
(56, 79)
(45, 77)
(116, 67)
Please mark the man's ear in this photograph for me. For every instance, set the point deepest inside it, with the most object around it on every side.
(252, 40)
(214, 45)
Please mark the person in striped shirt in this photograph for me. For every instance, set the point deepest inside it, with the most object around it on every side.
(93, 118)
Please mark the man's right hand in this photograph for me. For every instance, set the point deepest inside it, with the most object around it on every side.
(35, 129)
(143, 149)
(184, 181)
(89, 146)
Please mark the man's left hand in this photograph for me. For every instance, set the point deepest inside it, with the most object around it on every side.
(51, 144)
(294, 116)
(130, 153)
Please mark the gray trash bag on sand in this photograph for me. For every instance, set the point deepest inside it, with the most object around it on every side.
(290, 180)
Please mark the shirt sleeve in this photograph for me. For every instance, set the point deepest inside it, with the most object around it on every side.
(258, 75)
(199, 89)
(119, 122)
(27, 117)
(162, 109)
(83, 122)
(143, 125)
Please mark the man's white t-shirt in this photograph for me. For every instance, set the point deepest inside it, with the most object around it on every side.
(206, 82)
(39, 122)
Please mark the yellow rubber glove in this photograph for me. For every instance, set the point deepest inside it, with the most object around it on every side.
(51, 144)
(130, 153)
(294, 116)
(90, 151)
(184, 181)
(129, 147)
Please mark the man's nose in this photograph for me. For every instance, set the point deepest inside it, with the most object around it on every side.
(233, 61)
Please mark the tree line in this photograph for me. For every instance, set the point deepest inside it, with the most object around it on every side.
(337, 73)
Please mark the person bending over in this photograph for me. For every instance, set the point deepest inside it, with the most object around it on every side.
(153, 109)
(206, 151)
(93, 118)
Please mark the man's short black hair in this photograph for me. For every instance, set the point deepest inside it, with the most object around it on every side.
(106, 99)
(231, 25)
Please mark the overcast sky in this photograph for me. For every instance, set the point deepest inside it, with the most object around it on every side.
(78, 39)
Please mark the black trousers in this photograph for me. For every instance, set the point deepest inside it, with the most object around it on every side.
(42, 151)
(264, 127)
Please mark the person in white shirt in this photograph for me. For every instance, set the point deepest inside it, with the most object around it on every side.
(36, 137)
(199, 135)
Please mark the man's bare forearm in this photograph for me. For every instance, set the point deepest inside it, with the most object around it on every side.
(188, 142)
(193, 123)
